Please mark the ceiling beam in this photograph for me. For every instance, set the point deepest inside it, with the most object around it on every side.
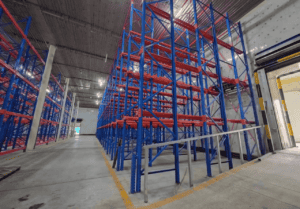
(93, 98)
(90, 100)
(87, 106)
(85, 93)
(83, 52)
(64, 47)
(76, 78)
(79, 68)
(77, 86)
(68, 18)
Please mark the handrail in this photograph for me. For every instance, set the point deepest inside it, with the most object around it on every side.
(147, 147)
(198, 137)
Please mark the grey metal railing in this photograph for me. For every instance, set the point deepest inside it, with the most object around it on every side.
(147, 147)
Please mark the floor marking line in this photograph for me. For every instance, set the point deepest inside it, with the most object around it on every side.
(126, 199)
(129, 204)
(196, 188)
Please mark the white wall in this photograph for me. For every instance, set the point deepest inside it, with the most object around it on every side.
(89, 122)
(268, 24)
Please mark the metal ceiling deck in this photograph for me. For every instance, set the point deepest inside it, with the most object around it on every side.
(86, 30)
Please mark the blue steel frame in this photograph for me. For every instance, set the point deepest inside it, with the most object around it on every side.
(21, 77)
(136, 108)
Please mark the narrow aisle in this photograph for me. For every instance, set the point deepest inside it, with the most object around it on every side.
(71, 174)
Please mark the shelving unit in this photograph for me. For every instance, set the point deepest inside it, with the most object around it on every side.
(22, 69)
(167, 83)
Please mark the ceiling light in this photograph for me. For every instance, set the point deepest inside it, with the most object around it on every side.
(29, 74)
(52, 14)
(106, 58)
(101, 82)
(48, 90)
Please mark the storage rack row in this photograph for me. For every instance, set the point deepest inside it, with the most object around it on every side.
(173, 87)
(67, 117)
(22, 69)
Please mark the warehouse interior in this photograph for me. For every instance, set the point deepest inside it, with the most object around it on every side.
(132, 104)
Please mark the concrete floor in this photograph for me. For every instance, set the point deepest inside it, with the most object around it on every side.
(73, 174)
(272, 183)
(162, 185)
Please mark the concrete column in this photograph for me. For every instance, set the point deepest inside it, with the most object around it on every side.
(40, 100)
(71, 116)
(63, 108)
(73, 129)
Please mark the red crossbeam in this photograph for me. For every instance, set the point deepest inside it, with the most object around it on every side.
(166, 81)
(20, 31)
(132, 88)
(13, 71)
(191, 28)
(167, 48)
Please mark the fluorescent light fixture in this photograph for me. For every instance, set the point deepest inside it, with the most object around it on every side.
(48, 90)
(52, 14)
(101, 81)
(29, 74)
(106, 58)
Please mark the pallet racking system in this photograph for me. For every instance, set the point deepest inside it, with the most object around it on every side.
(22, 69)
(167, 83)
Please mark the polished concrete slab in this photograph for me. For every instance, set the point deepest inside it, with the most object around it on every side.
(272, 183)
(6, 171)
(162, 185)
(73, 174)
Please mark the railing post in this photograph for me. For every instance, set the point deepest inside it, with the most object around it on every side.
(146, 175)
(219, 155)
(241, 149)
(257, 143)
(190, 164)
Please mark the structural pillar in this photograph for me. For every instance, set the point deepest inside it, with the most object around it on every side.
(73, 129)
(63, 108)
(41, 99)
(70, 120)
